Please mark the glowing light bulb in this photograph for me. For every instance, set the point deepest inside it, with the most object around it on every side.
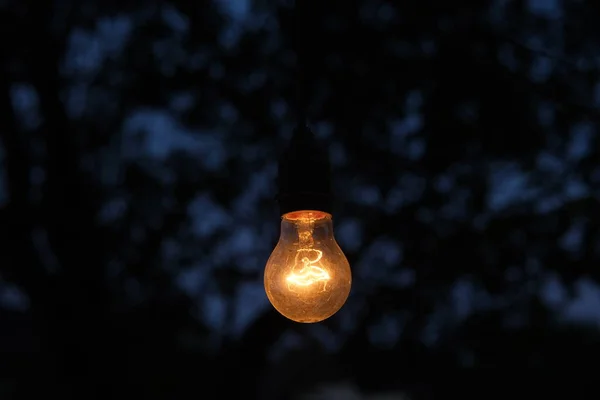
(307, 277)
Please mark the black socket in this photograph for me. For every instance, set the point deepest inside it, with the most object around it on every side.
(304, 179)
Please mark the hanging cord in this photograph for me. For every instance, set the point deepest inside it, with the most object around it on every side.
(300, 45)
(303, 181)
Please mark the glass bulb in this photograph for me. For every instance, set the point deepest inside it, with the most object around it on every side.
(307, 277)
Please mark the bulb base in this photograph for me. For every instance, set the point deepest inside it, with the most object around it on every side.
(304, 201)
(304, 180)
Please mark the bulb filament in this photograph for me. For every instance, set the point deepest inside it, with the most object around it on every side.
(308, 274)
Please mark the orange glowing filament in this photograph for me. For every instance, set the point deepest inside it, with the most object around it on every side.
(309, 274)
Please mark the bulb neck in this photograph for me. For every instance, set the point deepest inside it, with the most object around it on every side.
(304, 179)
(303, 227)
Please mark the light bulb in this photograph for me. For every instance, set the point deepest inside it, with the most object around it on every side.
(307, 277)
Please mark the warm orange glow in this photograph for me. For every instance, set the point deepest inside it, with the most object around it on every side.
(308, 274)
(306, 216)
(307, 277)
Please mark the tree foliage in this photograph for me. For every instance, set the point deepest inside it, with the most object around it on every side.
(139, 148)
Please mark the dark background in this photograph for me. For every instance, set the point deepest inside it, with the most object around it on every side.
(139, 143)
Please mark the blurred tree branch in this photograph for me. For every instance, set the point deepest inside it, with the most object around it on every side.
(22, 263)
